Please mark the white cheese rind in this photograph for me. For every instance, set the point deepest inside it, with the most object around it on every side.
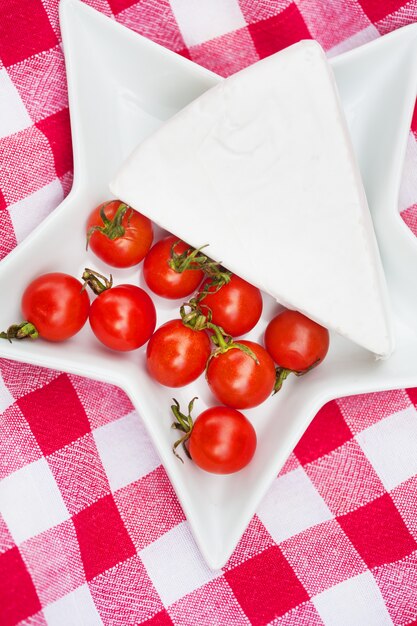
(262, 169)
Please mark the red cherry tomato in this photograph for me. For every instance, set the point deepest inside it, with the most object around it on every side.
(295, 342)
(237, 380)
(222, 440)
(236, 307)
(123, 317)
(176, 354)
(124, 238)
(163, 280)
(56, 305)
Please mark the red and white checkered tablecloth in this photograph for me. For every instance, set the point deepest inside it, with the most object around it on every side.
(91, 531)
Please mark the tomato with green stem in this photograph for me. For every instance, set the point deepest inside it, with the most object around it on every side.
(221, 440)
(236, 306)
(296, 344)
(119, 235)
(55, 307)
(177, 354)
(169, 270)
(123, 318)
(240, 374)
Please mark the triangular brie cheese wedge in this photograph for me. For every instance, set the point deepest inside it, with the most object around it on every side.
(262, 169)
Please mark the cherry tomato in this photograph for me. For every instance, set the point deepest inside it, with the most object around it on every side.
(123, 317)
(236, 307)
(295, 342)
(237, 380)
(56, 305)
(163, 280)
(123, 238)
(222, 441)
(176, 354)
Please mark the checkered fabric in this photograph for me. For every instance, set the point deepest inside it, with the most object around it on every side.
(91, 531)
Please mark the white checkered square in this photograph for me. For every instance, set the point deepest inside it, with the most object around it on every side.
(390, 445)
(201, 20)
(292, 505)
(76, 608)
(354, 602)
(32, 210)
(13, 114)
(175, 565)
(125, 450)
(30, 501)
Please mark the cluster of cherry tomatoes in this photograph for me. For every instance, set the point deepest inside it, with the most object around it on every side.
(241, 374)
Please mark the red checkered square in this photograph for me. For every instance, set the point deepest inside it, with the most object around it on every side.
(405, 497)
(7, 236)
(102, 403)
(345, 16)
(22, 378)
(159, 619)
(41, 83)
(266, 586)
(345, 479)
(255, 539)
(57, 130)
(3, 204)
(24, 601)
(55, 422)
(26, 157)
(79, 473)
(125, 594)
(155, 20)
(326, 544)
(363, 410)
(120, 5)
(256, 10)
(6, 540)
(226, 54)
(378, 532)
(303, 615)
(376, 10)
(410, 218)
(54, 562)
(214, 602)
(327, 431)
(18, 446)
(149, 508)
(29, 22)
(102, 536)
(398, 585)
(278, 32)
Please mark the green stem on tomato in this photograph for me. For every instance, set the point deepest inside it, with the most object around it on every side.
(193, 259)
(24, 330)
(113, 228)
(96, 281)
(281, 376)
(185, 424)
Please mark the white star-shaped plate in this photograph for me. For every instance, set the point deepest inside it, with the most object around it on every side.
(121, 88)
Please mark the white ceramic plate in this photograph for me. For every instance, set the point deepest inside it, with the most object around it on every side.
(121, 88)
